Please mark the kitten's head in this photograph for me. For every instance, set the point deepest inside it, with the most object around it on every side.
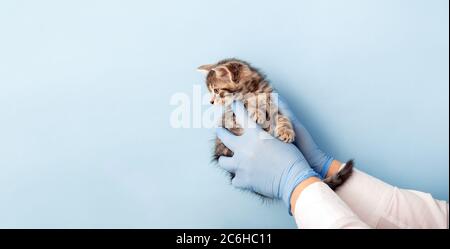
(227, 80)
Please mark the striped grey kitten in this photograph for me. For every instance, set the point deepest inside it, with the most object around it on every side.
(233, 79)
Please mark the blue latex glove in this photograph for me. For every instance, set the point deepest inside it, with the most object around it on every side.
(262, 163)
(316, 158)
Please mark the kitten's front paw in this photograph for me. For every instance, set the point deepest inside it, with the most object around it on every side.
(285, 134)
(259, 118)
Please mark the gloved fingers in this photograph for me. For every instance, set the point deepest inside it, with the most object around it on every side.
(227, 138)
(238, 182)
(228, 163)
(282, 105)
(242, 117)
(303, 138)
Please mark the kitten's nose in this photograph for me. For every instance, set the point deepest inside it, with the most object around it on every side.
(211, 101)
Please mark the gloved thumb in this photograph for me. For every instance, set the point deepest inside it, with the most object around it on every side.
(238, 182)
(227, 163)
(242, 117)
(227, 138)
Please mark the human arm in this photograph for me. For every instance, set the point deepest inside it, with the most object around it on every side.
(381, 205)
(375, 202)
(276, 170)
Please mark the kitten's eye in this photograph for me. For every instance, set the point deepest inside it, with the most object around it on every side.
(216, 91)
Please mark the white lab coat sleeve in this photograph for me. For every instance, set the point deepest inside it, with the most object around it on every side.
(381, 205)
(319, 207)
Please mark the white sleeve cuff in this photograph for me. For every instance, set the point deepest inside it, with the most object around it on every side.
(319, 207)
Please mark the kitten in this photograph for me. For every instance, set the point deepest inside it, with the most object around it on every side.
(233, 79)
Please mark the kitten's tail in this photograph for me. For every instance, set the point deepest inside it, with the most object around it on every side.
(340, 177)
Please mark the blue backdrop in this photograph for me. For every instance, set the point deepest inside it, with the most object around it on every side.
(85, 138)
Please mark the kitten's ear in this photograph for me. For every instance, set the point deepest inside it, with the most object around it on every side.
(205, 68)
(223, 72)
(235, 71)
(230, 71)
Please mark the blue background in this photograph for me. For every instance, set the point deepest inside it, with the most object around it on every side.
(85, 138)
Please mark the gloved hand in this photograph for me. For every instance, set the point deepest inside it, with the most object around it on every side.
(262, 163)
(316, 158)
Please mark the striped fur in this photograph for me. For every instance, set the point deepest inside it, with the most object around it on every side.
(234, 79)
